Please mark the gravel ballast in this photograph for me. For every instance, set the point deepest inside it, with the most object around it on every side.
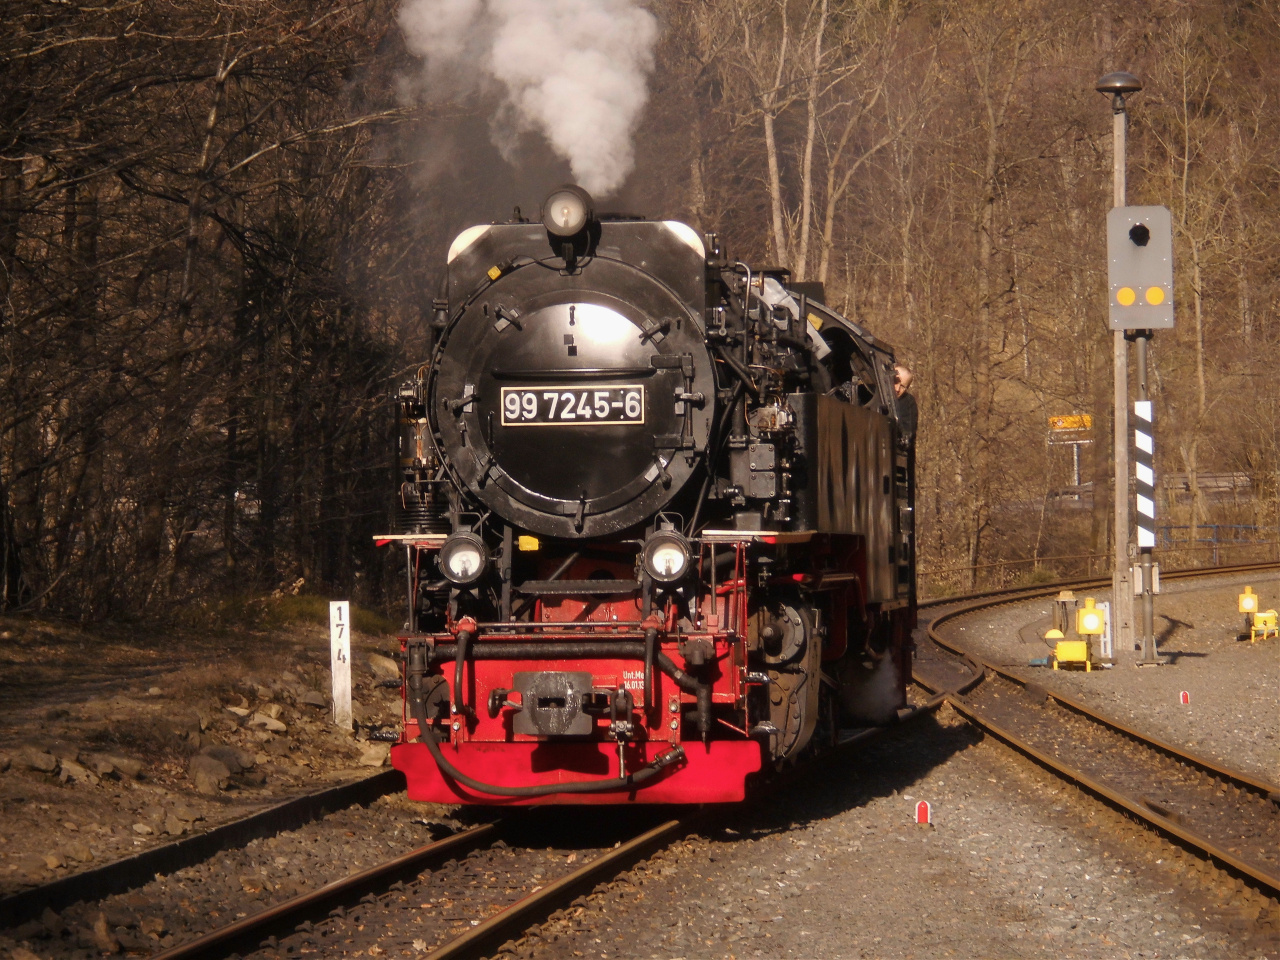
(1017, 864)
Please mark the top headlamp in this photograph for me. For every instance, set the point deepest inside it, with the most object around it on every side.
(566, 212)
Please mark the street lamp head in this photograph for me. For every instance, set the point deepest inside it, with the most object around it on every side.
(1119, 83)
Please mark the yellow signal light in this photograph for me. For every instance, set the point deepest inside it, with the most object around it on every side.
(1089, 621)
(1248, 601)
(1126, 296)
(528, 543)
(1155, 296)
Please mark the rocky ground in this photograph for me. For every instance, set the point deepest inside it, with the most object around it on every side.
(114, 741)
(1233, 715)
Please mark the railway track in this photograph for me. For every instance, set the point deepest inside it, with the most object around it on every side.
(1226, 816)
(488, 898)
(1185, 797)
(460, 896)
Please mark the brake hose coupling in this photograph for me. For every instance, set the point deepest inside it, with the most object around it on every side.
(668, 757)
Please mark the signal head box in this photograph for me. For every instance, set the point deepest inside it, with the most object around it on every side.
(1140, 268)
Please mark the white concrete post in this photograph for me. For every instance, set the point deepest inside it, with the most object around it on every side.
(340, 661)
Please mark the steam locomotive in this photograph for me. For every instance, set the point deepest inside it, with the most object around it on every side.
(656, 511)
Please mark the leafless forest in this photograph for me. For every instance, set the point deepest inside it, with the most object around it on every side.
(222, 223)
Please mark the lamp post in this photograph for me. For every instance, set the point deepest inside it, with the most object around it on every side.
(1116, 85)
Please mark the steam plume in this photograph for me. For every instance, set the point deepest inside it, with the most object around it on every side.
(573, 70)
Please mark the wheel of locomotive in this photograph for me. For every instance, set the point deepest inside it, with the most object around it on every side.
(568, 411)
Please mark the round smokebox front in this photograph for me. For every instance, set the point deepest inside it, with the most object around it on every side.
(569, 411)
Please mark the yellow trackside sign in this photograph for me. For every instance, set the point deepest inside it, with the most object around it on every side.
(1072, 421)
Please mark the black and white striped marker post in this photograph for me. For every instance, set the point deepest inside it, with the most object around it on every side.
(1144, 474)
(1146, 576)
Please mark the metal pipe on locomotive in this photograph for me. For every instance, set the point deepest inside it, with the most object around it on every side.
(656, 511)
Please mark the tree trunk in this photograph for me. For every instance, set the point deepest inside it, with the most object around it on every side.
(810, 135)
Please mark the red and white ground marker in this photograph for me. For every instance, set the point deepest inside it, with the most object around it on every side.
(1184, 698)
(924, 813)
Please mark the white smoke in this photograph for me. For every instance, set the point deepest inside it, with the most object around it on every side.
(573, 70)
(871, 695)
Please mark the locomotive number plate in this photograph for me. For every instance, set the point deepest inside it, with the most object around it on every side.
(571, 406)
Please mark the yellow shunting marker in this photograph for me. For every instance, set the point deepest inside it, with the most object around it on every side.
(1264, 625)
(1258, 624)
(1069, 651)
(1089, 620)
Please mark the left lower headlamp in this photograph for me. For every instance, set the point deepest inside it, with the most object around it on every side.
(666, 556)
(463, 558)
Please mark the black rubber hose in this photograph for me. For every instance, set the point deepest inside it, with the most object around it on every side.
(459, 669)
(685, 681)
(414, 672)
(704, 711)
(638, 779)
(650, 651)
(743, 373)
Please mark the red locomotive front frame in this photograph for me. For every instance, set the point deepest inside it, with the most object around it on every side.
(529, 717)
(589, 699)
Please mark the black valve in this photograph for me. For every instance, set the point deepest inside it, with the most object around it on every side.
(498, 700)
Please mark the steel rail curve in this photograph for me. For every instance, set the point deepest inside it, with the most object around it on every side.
(1046, 589)
(1137, 806)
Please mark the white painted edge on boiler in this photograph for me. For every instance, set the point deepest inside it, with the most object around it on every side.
(687, 234)
(466, 239)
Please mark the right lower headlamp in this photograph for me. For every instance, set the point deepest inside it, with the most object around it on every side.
(666, 556)
(463, 558)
